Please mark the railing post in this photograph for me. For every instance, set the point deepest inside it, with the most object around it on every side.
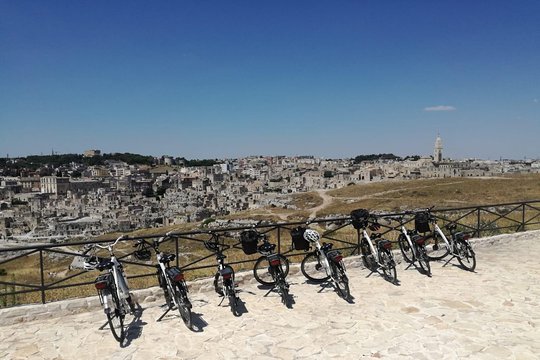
(42, 288)
(523, 217)
(478, 231)
(177, 255)
(279, 239)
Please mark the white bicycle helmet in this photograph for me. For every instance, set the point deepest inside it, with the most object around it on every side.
(90, 263)
(311, 235)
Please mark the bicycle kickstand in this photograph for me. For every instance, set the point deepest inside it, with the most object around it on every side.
(447, 261)
(163, 315)
(269, 291)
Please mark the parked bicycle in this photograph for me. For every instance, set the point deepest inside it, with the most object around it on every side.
(458, 245)
(376, 252)
(322, 264)
(270, 269)
(224, 279)
(112, 288)
(171, 279)
(412, 245)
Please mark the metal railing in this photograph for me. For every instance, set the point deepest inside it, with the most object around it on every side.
(478, 220)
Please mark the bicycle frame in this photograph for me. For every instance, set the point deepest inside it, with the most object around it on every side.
(371, 246)
(405, 232)
(437, 229)
(120, 281)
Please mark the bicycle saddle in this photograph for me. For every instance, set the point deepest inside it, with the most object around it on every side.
(166, 258)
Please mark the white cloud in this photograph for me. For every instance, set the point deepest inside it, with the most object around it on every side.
(535, 100)
(440, 108)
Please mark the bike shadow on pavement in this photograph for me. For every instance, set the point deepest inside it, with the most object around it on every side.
(135, 328)
(271, 289)
(197, 322)
(325, 285)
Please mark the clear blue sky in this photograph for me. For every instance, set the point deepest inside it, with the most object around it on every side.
(220, 79)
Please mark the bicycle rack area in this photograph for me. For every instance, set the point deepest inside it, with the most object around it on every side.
(480, 221)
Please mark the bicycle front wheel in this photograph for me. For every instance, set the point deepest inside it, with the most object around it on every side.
(406, 250)
(261, 270)
(466, 255)
(115, 318)
(340, 280)
(313, 269)
(436, 248)
(184, 305)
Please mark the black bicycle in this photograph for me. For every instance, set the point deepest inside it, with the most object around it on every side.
(270, 269)
(171, 279)
(224, 279)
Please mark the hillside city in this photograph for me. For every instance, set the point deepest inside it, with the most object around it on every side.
(58, 201)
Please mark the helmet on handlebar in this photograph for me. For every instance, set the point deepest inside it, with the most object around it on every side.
(311, 235)
(142, 253)
(90, 262)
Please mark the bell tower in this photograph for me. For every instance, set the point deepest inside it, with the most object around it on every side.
(437, 152)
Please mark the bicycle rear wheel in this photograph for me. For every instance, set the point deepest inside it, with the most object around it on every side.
(388, 266)
(340, 280)
(313, 269)
(367, 257)
(184, 305)
(436, 248)
(261, 270)
(233, 302)
(423, 260)
(406, 250)
(115, 318)
(466, 255)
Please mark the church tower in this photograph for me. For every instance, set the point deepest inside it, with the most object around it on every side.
(437, 153)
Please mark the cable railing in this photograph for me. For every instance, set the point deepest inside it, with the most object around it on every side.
(40, 273)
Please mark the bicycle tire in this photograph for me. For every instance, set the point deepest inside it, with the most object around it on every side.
(166, 293)
(405, 248)
(388, 266)
(233, 302)
(423, 260)
(340, 280)
(115, 318)
(367, 257)
(436, 248)
(466, 255)
(184, 306)
(283, 287)
(218, 284)
(312, 268)
(261, 270)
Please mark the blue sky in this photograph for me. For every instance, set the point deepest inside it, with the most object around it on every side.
(214, 79)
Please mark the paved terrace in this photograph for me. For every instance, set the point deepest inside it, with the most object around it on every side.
(491, 314)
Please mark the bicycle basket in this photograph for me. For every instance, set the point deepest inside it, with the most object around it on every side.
(298, 241)
(359, 218)
(249, 239)
(421, 222)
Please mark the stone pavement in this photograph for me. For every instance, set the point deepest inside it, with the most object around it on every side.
(490, 314)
